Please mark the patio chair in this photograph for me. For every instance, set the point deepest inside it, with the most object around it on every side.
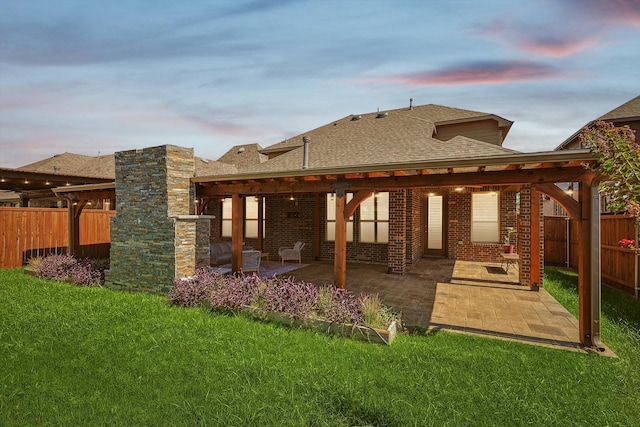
(251, 261)
(292, 254)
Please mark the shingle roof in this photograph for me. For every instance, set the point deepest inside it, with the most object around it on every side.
(626, 110)
(104, 166)
(244, 156)
(75, 164)
(403, 135)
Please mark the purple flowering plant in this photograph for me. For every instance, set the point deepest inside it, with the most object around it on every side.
(82, 272)
(301, 301)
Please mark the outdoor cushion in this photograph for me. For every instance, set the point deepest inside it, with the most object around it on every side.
(220, 252)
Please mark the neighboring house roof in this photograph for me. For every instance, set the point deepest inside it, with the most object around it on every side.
(74, 164)
(104, 166)
(403, 135)
(624, 114)
(244, 156)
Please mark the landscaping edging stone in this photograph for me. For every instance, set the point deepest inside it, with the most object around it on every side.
(357, 332)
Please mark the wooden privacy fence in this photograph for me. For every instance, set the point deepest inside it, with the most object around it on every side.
(619, 266)
(31, 232)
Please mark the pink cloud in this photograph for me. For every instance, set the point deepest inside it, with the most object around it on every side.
(624, 12)
(478, 73)
(556, 47)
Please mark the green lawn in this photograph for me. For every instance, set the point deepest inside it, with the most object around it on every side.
(90, 356)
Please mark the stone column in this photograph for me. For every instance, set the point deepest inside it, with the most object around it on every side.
(153, 186)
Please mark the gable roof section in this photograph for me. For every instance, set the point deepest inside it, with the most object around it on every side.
(403, 135)
(424, 116)
(244, 156)
(627, 112)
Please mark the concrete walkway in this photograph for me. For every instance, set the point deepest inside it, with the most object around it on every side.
(471, 297)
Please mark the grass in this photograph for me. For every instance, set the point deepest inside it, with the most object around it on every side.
(91, 356)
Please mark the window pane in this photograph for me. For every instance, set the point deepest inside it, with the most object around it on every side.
(251, 208)
(251, 228)
(367, 232)
(485, 227)
(383, 206)
(367, 209)
(350, 231)
(331, 230)
(485, 232)
(331, 208)
(383, 232)
(226, 208)
(226, 228)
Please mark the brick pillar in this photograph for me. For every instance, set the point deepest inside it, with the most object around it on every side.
(397, 249)
(524, 236)
(153, 187)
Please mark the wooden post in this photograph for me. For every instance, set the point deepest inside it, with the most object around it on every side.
(534, 281)
(584, 267)
(340, 255)
(74, 210)
(237, 234)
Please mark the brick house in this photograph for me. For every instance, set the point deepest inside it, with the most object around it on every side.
(392, 222)
(383, 187)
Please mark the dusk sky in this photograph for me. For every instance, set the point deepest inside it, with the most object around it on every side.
(100, 76)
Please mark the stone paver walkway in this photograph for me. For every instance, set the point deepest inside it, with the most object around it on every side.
(472, 297)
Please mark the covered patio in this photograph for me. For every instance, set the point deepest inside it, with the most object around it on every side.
(462, 296)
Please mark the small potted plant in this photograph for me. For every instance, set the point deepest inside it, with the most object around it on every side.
(508, 247)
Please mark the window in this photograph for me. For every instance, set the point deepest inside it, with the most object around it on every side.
(250, 217)
(251, 206)
(485, 217)
(226, 217)
(374, 219)
(331, 218)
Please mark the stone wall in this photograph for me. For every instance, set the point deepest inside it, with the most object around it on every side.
(153, 188)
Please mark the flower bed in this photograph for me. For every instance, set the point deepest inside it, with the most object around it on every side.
(324, 309)
(66, 268)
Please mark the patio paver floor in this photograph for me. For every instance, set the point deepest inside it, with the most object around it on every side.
(463, 296)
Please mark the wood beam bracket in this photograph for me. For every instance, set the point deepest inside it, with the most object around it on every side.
(341, 187)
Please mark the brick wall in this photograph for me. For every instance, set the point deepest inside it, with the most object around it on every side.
(459, 226)
(524, 236)
(152, 188)
(414, 226)
(397, 249)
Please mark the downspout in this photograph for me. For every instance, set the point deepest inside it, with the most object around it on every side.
(596, 279)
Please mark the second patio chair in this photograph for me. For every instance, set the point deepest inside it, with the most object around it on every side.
(292, 254)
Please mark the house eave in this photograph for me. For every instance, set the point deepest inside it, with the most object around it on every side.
(519, 160)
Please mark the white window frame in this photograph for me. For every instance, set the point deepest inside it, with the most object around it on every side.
(377, 200)
(227, 217)
(485, 217)
(330, 223)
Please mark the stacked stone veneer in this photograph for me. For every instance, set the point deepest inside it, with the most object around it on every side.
(154, 235)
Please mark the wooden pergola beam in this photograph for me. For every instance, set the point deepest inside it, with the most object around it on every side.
(512, 177)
